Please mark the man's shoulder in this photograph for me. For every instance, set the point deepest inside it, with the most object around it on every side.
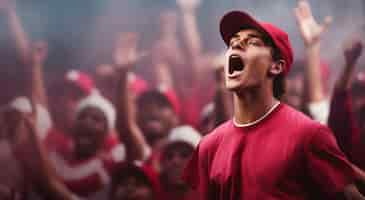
(297, 118)
(213, 138)
(300, 122)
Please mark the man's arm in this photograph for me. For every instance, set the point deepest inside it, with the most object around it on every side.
(352, 51)
(341, 118)
(7, 7)
(43, 171)
(127, 128)
(39, 52)
(188, 9)
(311, 33)
(31, 56)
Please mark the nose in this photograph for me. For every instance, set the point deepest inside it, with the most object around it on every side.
(238, 44)
(176, 160)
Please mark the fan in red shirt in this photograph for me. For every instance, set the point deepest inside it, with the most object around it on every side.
(268, 150)
(85, 159)
(180, 145)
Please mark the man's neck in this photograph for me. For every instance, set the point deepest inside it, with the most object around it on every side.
(249, 106)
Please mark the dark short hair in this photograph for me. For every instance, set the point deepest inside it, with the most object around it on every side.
(153, 97)
(279, 82)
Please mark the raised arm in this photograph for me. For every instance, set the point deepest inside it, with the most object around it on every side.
(341, 117)
(31, 55)
(7, 7)
(39, 53)
(129, 132)
(311, 33)
(191, 33)
(33, 157)
(352, 51)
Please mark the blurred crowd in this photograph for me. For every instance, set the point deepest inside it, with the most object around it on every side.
(111, 133)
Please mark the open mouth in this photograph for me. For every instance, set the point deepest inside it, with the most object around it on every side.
(235, 64)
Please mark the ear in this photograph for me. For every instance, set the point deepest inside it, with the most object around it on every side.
(277, 67)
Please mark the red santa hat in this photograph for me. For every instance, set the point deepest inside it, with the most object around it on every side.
(81, 80)
(185, 134)
(136, 84)
(97, 101)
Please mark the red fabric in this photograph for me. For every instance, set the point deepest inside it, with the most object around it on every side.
(138, 85)
(343, 124)
(81, 80)
(153, 177)
(234, 21)
(285, 156)
(60, 144)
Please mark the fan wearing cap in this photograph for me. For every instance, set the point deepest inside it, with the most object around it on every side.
(268, 150)
(179, 147)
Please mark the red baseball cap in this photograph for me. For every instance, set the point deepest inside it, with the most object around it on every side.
(234, 21)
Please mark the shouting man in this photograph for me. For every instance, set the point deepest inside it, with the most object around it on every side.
(268, 150)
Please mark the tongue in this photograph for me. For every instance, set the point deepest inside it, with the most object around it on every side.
(235, 64)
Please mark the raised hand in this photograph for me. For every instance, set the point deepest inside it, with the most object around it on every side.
(352, 51)
(309, 28)
(125, 52)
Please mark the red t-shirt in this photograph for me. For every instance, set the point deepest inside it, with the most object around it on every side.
(84, 177)
(285, 156)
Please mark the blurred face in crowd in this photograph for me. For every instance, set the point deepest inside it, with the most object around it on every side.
(174, 159)
(132, 187)
(89, 131)
(156, 121)
(249, 59)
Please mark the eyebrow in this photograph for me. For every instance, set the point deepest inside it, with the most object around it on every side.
(249, 35)
(252, 35)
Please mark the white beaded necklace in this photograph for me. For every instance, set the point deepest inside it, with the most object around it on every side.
(258, 120)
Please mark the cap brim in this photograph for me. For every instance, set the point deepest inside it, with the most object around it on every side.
(234, 21)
